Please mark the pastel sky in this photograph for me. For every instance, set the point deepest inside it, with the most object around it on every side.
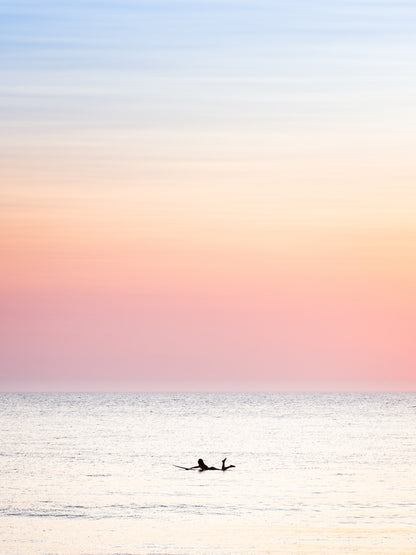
(207, 194)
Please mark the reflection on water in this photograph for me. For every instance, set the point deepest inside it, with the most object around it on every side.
(314, 473)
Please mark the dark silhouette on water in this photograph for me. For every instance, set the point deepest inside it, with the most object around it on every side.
(226, 467)
(202, 466)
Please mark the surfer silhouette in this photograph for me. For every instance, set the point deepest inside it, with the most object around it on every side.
(202, 466)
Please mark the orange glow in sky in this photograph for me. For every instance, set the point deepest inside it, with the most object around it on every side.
(183, 223)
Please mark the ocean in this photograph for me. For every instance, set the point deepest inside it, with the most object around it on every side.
(94, 474)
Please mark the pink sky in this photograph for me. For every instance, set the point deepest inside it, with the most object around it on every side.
(207, 195)
(112, 292)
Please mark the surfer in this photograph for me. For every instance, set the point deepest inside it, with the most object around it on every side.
(202, 466)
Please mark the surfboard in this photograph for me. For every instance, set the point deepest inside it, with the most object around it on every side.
(183, 467)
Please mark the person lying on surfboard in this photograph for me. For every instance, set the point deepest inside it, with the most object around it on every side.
(202, 466)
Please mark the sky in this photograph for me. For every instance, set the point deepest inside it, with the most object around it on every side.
(207, 195)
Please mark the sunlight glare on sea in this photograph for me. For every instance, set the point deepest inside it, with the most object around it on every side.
(315, 473)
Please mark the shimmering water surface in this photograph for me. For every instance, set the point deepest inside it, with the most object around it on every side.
(315, 473)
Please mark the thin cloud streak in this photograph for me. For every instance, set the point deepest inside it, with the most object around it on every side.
(207, 194)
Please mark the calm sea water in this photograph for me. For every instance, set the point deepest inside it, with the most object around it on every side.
(315, 473)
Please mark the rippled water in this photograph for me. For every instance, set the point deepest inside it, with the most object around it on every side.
(315, 473)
